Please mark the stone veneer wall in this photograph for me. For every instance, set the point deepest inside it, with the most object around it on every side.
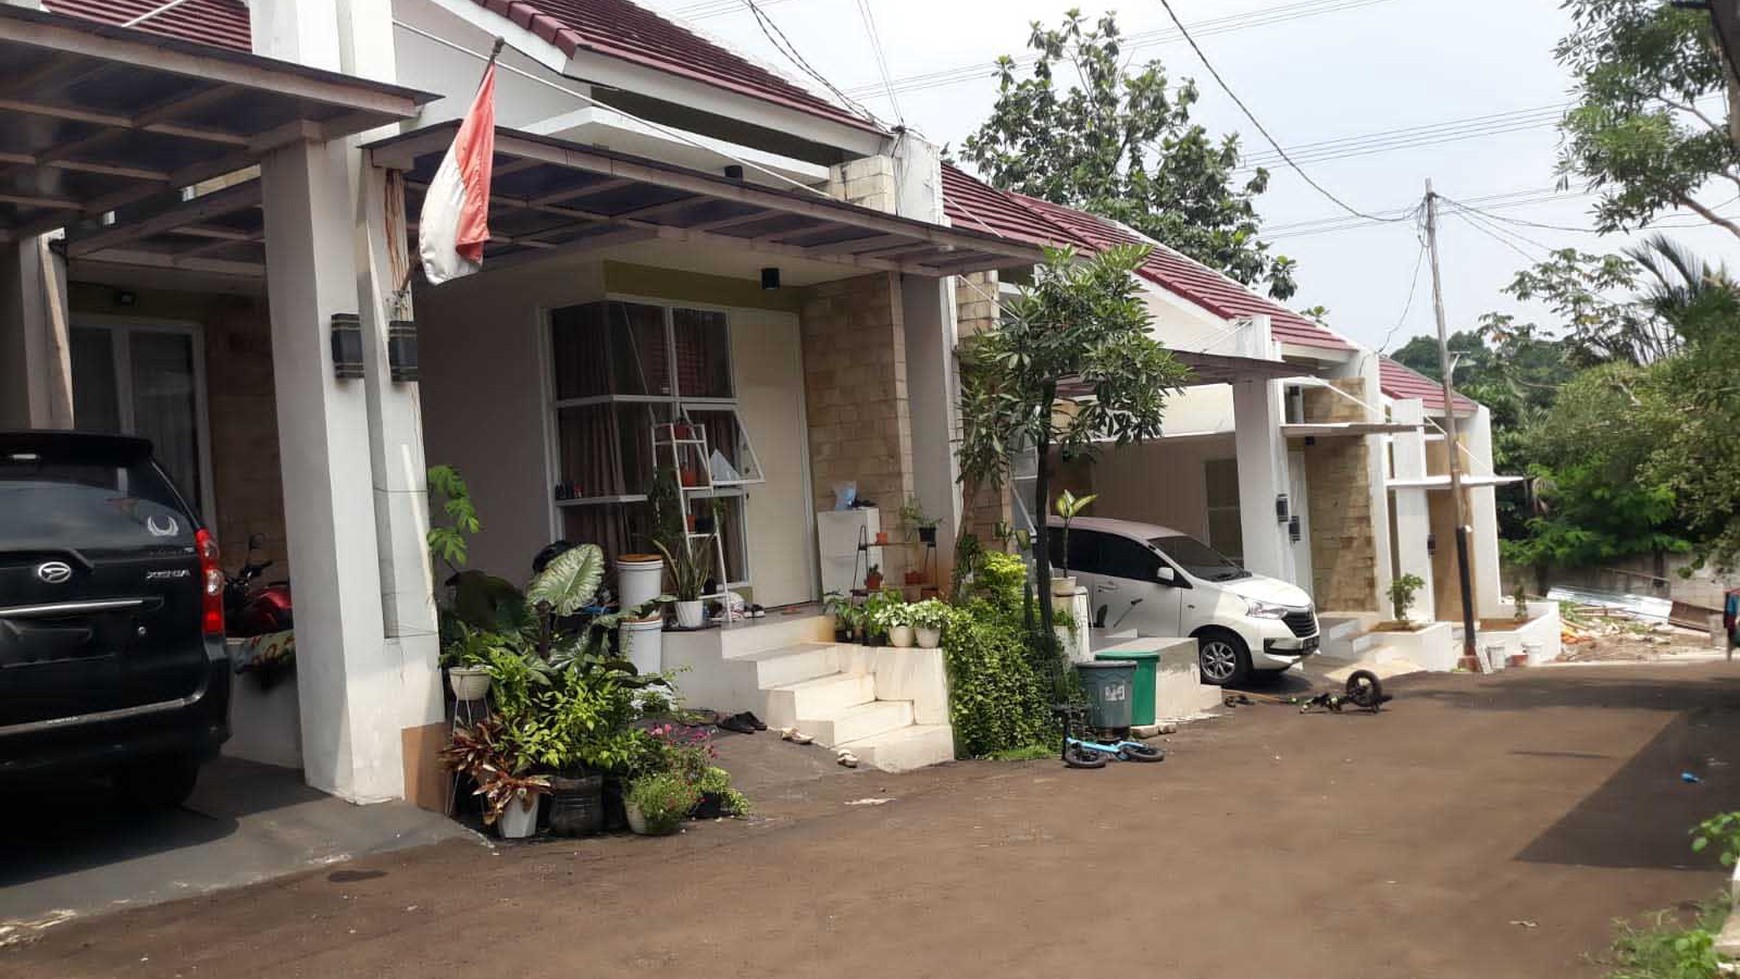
(976, 312)
(860, 430)
(1343, 547)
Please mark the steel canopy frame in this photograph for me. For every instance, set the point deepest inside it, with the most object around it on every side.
(550, 194)
(94, 118)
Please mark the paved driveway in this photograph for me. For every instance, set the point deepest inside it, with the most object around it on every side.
(1268, 844)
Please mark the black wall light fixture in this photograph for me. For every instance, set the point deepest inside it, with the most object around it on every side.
(347, 346)
(770, 277)
(1281, 510)
(402, 350)
(1294, 531)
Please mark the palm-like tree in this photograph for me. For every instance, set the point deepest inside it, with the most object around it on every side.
(1689, 297)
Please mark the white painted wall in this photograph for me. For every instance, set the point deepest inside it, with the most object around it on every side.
(1159, 482)
(767, 359)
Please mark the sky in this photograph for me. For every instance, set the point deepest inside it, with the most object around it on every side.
(1311, 71)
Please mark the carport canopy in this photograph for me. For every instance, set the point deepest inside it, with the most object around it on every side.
(1208, 368)
(550, 195)
(96, 119)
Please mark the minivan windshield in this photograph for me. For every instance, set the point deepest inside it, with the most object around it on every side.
(1199, 559)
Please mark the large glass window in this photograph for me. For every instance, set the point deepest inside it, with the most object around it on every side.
(620, 368)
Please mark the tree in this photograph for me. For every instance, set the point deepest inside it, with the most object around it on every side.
(1637, 132)
(1120, 144)
(1072, 366)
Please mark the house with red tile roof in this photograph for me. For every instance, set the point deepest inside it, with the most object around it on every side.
(695, 266)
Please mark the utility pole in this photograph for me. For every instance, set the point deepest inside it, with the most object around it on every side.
(1470, 659)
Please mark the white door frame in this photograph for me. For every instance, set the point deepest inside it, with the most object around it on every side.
(121, 329)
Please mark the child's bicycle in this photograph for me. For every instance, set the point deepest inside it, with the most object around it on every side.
(1084, 752)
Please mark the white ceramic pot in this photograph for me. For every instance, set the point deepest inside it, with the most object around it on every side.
(468, 682)
(1063, 587)
(519, 821)
(643, 643)
(691, 615)
(636, 821)
(639, 578)
(901, 636)
(928, 638)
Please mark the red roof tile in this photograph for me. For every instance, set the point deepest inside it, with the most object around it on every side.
(1400, 381)
(620, 29)
(971, 203)
(223, 23)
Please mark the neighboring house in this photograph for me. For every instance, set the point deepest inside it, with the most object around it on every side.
(1348, 437)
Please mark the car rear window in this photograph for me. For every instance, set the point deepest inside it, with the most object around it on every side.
(50, 500)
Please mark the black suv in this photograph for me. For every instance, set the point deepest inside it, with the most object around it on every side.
(111, 617)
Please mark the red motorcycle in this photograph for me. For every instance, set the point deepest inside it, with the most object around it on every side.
(251, 610)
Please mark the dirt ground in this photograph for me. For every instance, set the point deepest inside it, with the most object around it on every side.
(1413, 843)
(1662, 644)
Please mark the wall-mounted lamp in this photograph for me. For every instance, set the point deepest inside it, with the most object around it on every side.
(770, 277)
(1281, 508)
(1294, 531)
(734, 171)
(347, 346)
(1431, 543)
(402, 350)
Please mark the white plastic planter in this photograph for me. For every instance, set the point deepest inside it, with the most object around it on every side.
(928, 638)
(901, 636)
(519, 821)
(1063, 587)
(639, 578)
(643, 643)
(468, 682)
(691, 615)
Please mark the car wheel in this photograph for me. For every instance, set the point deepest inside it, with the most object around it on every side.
(1223, 658)
(158, 783)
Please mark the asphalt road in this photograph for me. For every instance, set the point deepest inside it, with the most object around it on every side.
(1413, 843)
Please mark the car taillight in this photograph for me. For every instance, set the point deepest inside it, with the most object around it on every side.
(212, 580)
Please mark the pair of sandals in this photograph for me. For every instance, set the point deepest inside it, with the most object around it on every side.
(841, 755)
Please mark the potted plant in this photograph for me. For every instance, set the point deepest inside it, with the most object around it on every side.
(467, 662)
(881, 615)
(718, 798)
(689, 580)
(510, 795)
(658, 803)
(914, 577)
(928, 618)
(640, 634)
(1068, 506)
(914, 519)
(835, 605)
(873, 578)
(1402, 592)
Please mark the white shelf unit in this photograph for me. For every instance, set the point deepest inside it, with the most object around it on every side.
(666, 437)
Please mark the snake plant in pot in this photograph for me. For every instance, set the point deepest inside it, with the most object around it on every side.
(689, 573)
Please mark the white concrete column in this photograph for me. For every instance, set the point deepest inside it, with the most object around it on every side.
(929, 314)
(1377, 476)
(1413, 511)
(1483, 517)
(1259, 409)
(35, 362)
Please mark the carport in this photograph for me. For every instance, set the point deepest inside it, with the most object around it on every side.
(103, 130)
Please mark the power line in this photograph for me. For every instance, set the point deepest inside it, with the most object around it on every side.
(1339, 222)
(1407, 137)
(1413, 287)
(1468, 218)
(1338, 202)
(714, 8)
(783, 45)
(1131, 42)
(881, 58)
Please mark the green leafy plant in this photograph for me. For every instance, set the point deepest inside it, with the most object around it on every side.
(969, 550)
(448, 543)
(1663, 948)
(717, 781)
(569, 582)
(1520, 603)
(664, 800)
(932, 613)
(1402, 591)
(665, 499)
(1068, 507)
(1723, 832)
(913, 518)
(997, 700)
(689, 565)
(1001, 580)
(484, 753)
(883, 610)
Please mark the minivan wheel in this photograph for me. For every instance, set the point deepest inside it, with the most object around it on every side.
(1223, 657)
(158, 783)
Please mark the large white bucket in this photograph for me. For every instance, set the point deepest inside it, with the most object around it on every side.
(639, 578)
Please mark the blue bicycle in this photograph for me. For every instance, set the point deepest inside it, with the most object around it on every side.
(1085, 752)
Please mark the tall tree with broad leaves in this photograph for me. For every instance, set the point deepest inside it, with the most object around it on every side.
(1120, 144)
(1647, 130)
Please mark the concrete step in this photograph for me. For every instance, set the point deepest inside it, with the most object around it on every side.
(904, 749)
(791, 664)
(821, 697)
(859, 722)
(774, 631)
(1336, 628)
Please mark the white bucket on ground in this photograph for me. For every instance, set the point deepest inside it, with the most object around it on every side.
(643, 643)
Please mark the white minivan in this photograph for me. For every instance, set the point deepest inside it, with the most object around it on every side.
(1161, 582)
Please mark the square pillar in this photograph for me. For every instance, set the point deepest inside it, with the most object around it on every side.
(932, 402)
(1483, 517)
(1261, 450)
(1413, 513)
(35, 358)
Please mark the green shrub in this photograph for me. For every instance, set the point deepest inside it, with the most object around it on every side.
(1001, 580)
(997, 701)
(1663, 949)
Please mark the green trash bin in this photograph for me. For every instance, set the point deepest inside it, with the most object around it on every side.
(1108, 685)
(1142, 692)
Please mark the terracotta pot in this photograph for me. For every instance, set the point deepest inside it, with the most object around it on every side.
(873, 582)
(915, 577)
(881, 537)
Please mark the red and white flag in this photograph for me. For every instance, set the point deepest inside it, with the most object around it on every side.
(455, 220)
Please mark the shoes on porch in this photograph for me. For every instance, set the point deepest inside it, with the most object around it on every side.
(846, 758)
(752, 721)
(795, 736)
(735, 722)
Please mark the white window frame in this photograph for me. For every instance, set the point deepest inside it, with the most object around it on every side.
(679, 403)
(121, 330)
